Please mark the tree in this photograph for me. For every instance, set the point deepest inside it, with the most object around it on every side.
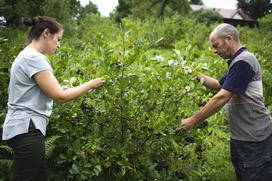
(62, 10)
(123, 9)
(158, 8)
(207, 16)
(255, 8)
(13, 10)
(198, 2)
(88, 9)
(266, 22)
(75, 8)
(59, 9)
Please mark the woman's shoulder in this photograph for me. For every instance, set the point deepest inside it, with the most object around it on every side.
(32, 53)
(30, 56)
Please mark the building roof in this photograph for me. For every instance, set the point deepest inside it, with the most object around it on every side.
(225, 13)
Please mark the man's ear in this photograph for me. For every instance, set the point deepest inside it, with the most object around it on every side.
(228, 37)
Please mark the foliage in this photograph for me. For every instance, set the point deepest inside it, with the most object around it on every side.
(6, 155)
(52, 7)
(207, 16)
(11, 43)
(14, 10)
(198, 2)
(121, 130)
(154, 8)
(50, 144)
(122, 10)
(266, 22)
(120, 127)
(126, 129)
(255, 9)
(170, 31)
(88, 9)
(90, 28)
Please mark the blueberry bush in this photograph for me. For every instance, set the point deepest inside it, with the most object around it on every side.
(126, 129)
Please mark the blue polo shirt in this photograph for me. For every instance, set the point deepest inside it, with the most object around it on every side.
(239, 75)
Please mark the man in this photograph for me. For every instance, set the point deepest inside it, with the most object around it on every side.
(240, 89)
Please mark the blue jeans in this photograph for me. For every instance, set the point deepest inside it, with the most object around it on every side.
(252, 160)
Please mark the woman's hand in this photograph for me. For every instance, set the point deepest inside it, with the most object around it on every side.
(98, 82)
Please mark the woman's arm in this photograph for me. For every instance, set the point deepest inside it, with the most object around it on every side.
(51, 87)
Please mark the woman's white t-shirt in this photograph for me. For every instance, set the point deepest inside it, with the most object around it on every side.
(26, 100)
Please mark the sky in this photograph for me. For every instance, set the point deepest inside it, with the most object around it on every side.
(225, 4)
(106, 6)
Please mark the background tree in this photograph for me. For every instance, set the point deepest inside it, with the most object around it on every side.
(52, 8)
(255, 8)
(152, 8)
(207, 16)
(125, 131)
(266, 23)
(75, 8)
(13, 10)
(198, 2)
(88, 9)
(62, 10)
(122, 10)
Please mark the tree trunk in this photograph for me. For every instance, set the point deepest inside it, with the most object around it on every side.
(161, 11)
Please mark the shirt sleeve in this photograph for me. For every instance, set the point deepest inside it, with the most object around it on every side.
(222, 79)
(238, 77)
(37, 64)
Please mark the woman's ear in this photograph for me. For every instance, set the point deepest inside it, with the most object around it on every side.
(46, 34)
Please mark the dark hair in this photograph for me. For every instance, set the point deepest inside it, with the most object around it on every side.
(38, 24)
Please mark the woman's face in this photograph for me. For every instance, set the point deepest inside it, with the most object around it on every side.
(53, 42)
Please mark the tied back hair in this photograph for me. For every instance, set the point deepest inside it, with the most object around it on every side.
(38, 24)
(31, 21)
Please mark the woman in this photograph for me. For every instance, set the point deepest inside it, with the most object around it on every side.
(32, 90)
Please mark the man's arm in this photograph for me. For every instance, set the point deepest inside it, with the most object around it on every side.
(209, 82)
(214, 105)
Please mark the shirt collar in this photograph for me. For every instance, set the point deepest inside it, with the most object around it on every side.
(236, 54)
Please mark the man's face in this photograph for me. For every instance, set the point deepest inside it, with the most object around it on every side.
(221, 46)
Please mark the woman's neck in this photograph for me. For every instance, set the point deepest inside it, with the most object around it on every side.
(37, 46)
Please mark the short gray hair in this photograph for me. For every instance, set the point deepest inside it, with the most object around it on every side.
(225, 29)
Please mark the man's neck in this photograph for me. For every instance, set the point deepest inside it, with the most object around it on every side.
(235, 48)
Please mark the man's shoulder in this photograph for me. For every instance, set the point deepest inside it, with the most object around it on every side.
(247, 57)
(246, 54)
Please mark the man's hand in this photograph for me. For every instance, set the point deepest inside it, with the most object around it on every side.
(209, 82)
(186, 124)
